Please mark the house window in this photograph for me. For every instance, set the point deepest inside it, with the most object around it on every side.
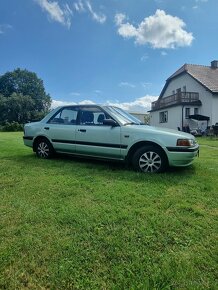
(184, 89)
(187, 112)
(163, 117)
(195, 111)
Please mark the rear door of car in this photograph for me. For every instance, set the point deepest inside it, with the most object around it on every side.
(93, 138)
(61, 130)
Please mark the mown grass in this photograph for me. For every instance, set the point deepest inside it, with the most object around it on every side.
(76, 224)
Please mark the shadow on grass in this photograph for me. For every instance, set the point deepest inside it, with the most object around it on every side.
(110, 169)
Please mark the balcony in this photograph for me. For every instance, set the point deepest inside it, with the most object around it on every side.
(176, 99)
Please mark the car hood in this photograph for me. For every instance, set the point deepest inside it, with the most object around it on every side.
(159, 130)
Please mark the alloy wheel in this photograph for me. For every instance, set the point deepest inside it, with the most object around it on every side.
(43, 150)
(150, 162)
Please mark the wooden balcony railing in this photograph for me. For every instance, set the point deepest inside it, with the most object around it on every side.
(176, 99)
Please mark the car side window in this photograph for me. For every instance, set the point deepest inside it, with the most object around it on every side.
(92, 116)
(66, 116)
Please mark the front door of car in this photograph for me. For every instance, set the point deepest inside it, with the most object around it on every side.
(61, 130)
(93, 138)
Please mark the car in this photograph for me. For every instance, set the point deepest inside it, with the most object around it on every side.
(108, 132)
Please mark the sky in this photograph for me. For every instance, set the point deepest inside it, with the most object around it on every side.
(117, 52)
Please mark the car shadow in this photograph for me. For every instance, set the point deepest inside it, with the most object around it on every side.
(103, 166)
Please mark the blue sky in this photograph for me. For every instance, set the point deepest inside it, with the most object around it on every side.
(106, 51)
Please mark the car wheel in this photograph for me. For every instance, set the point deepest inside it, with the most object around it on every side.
(149, 159)
(44, 149)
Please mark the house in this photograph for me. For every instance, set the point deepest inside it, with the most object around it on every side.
(189, 99)
(143, 117)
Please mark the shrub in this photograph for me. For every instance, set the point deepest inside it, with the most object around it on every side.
(11, 127)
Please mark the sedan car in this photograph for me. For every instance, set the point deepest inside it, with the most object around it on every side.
(108, 132)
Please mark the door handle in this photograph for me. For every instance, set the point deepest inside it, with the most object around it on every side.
(46, 128)
(82, 130)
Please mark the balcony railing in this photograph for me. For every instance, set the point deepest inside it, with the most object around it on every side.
(176, 99)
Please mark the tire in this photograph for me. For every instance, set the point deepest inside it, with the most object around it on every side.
(44, 149)
(149, 159)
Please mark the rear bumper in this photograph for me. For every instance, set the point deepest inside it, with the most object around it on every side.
(178, 156)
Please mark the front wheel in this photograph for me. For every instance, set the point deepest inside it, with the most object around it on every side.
(149, 159)
(44, 149)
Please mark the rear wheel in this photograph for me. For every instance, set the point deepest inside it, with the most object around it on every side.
(149, 159)
(44, 149)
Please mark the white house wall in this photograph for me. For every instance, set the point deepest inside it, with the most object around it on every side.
(192, 86)
(174, 117)
(141, 117)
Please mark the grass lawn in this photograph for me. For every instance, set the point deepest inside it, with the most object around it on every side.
(75, 224)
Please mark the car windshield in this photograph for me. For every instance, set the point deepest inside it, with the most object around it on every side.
(123, 117)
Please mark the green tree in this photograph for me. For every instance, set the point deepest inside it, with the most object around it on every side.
(17, 108)
(22, 96)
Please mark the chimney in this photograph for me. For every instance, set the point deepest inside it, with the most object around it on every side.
(214, 64)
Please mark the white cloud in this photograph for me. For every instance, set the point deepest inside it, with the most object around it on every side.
(4, 28)
(160, 30)
(86, 102)
(139, 105)
(58, 103)
(144, 57)
(97, 92)
(124, 29)
(82, 6)
(101, 18)
(75, 94)
(119, 18)
(199, 2)
(79, 7)
(163, 53)
(126, 84)
(146, 85)
(55, 12)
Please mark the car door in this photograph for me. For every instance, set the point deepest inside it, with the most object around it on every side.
(93, 138)
(61, 130)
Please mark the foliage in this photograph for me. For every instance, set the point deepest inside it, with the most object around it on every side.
(16, 108)
(22, 97)
(81, 224)
(11, 127)
(147, 119)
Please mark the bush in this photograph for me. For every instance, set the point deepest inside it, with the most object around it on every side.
(11, 127)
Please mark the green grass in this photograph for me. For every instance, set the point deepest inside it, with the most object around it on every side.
(209, 141)
(76, 224)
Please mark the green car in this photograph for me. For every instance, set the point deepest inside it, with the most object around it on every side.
(108, 132)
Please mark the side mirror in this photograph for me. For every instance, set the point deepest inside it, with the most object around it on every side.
(109, 122)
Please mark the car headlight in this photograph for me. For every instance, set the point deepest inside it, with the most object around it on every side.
(185, 142)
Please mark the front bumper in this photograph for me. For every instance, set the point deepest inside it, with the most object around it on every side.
(180, 156)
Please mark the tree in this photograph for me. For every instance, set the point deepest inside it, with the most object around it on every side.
(17, 108)
(22, 96)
